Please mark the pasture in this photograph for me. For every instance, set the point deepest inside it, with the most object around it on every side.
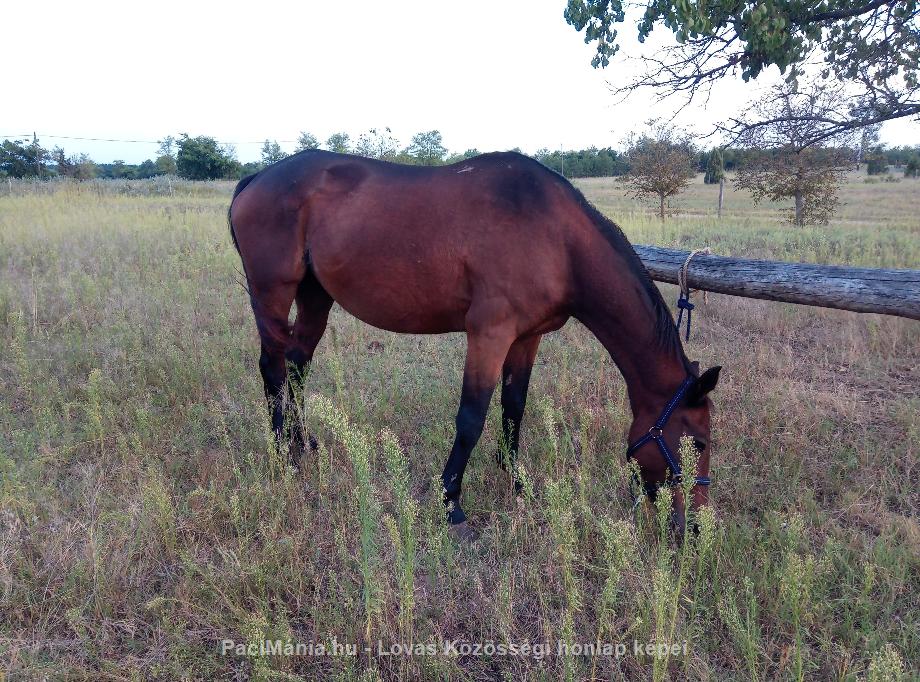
(145, 516)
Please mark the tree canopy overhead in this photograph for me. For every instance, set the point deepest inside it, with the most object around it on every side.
(871, 45)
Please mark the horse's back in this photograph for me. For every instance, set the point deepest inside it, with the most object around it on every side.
(408, 248)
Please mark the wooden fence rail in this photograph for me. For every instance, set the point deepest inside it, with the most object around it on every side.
(864, 290)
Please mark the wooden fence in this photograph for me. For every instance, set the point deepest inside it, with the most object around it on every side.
(864, 290)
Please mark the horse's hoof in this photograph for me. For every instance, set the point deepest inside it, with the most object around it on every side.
(464, 532)
(455, 514)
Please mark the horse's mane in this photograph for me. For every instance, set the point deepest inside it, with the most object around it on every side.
(665, 330)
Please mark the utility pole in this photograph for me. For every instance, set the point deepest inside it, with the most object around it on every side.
(721, 189)
(562, 165)
(38, 161)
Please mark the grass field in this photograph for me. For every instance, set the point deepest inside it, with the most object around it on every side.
(145, 516)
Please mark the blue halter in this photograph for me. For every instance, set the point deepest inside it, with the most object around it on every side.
(656, 433)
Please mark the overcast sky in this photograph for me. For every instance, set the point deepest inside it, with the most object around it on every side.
(490, 75)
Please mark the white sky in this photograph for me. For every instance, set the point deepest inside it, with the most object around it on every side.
(488, 74)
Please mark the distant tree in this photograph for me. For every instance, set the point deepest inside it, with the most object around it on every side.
(427, 148)
(165, 164)
(715, 168)
(468, 154)
(272, 152)
(63, 165)
(306, 141)
(339, 143)
(662, 162)
(912, 167)
(876, 163)
(810, 177)
(583, 163)
(868, 140)
(786, 159)
(715, 175)
(249, 168)
(146, 169)
(85, 167)
(167, 147)
(899, 156)
(377, 144)
(22, 158)
(202, 158)
(119, 169)
(77, 167)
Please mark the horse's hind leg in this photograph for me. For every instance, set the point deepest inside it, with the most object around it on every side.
(515, 379)
(271, 307)
(313, 305)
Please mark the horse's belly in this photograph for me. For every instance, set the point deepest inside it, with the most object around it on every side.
(396, 294)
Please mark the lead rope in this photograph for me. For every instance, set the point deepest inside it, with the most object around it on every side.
(683, 298)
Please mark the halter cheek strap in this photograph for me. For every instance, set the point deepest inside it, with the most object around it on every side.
(656, 433)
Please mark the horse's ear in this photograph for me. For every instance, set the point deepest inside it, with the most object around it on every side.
(703, 385)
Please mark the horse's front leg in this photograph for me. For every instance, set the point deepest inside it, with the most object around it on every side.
(485, 353)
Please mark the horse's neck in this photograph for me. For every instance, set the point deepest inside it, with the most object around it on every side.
(618, 309)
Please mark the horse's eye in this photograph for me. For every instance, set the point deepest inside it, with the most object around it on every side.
(699, 445)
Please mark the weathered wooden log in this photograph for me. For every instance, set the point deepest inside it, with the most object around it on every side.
(864, 290)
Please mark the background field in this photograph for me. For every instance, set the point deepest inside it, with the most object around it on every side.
(144, 516)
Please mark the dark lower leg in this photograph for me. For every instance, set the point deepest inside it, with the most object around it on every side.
(274, 373)
(483, 362)
(313, 305)
(470, 420)
(515, 380)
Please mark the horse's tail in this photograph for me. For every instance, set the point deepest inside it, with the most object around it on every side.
(240, 186)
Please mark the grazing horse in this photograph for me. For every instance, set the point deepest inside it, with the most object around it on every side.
(497, 246)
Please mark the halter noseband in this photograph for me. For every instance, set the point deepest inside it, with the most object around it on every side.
(656, 433)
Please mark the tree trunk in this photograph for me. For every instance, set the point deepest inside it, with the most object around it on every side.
(863, 290)
(661, 206)
(799, 206)
(721, 190)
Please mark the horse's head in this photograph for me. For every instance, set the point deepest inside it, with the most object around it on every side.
(655, 443)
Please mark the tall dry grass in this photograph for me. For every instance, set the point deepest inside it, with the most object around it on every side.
(145, 514)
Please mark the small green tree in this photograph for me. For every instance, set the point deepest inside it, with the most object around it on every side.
(377, 144)
(166, 156)
(272, 152)
(202, 158)
(912, 167)
(715, 169)
(876, 163)
(339, 143)
(165, 165)
(306, 141)
(167, 146)
(77, 167)
(662, 161)
(427, 148)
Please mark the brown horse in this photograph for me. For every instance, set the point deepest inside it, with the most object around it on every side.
(497, 246)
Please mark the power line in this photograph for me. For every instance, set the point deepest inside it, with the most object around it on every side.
(106, 139)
